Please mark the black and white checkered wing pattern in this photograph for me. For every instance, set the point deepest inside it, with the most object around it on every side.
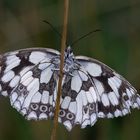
(95, 91)
(112, 94)
(78, 102)
(90, 89)
(26, 76)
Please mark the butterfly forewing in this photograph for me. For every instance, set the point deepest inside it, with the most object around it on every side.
(115, 95)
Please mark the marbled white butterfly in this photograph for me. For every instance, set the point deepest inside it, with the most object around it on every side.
(90, 89)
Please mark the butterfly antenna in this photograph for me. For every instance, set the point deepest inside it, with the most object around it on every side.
(77, 40)
(52, 28)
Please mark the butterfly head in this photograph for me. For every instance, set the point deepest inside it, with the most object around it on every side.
(68, 53)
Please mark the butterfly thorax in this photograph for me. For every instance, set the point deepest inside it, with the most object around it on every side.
(70, 63)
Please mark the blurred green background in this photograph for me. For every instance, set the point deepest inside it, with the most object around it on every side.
(117, 45)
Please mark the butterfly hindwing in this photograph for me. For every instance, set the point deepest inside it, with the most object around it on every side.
(78, 103)
(35, 100)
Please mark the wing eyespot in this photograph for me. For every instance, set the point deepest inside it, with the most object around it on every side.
(70, 116)
(34, 106)
(62, 113)
(43, 108)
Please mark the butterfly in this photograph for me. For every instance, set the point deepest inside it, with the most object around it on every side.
(90, 89)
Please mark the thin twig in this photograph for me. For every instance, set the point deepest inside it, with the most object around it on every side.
(63, 45)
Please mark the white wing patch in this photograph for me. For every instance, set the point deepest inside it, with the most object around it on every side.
(93, 69)
(76, 83)
(46, 73)
(8, 76)
(36, 56)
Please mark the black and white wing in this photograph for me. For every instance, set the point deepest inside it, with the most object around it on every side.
(78, 102)
(95, 91)
(26, 76)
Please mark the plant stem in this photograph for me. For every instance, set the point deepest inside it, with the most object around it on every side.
(63, 45)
